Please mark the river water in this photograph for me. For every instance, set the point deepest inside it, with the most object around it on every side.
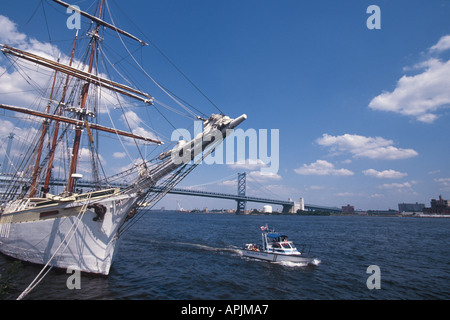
(187, 256)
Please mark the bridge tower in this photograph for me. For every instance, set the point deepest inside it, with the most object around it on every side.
(6, 161)
(242, 186)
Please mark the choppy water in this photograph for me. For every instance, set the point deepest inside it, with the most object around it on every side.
(184, 256)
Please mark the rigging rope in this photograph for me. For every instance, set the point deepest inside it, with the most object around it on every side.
(262, 187)
(118, 136)
(213, 182)
(154, 197)
(146, 73)
(171, 62)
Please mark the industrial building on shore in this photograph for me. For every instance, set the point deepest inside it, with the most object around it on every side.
(411, 207)
(439, 208)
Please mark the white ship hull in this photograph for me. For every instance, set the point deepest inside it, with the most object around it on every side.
(71, 238)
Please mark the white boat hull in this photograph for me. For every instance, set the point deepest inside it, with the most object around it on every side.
(274, 257)
(72, 240)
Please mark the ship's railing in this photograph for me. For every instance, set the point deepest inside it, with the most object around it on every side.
(17, 205)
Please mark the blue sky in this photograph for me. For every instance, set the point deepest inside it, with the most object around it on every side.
(362, 114)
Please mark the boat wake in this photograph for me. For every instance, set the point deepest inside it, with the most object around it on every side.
(292, 264)
(231, 249)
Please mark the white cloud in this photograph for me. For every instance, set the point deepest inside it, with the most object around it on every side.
(9, 33)
(23, 137)
(248, 164)
(136, 124)
(228, 183)
(12, 81)
(442, 45)
(377, 195)
(140, 131)
(5, 128)
(132, 118)
(395, 185)
(119, 155)
(398, 186)
(421, 95)
(445, 182)
(344, 194)
(367, 147)
(385, 174)
(315, 188)
(262, 176)
(322, 168)
(85, 165)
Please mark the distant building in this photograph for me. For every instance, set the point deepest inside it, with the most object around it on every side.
(440, 206)
(348, 209)
(410, 207)
(297, 205)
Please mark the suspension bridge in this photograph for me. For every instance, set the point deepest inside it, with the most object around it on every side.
(241, 198)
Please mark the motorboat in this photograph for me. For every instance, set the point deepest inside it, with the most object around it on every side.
(276, 247)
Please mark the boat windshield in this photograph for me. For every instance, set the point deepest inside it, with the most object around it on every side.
(286, 245)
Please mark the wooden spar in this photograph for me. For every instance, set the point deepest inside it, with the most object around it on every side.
(100, 21)
(75, 122)
(86, 76)
(41, 144)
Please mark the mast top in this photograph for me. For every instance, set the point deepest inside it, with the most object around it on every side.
(100, 21)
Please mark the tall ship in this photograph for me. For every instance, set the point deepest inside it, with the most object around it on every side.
(60, 205)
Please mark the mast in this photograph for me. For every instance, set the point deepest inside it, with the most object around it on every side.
(46, 189)
(84, 93)
(45, 126)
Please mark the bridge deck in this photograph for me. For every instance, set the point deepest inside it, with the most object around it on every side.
(208, 194)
